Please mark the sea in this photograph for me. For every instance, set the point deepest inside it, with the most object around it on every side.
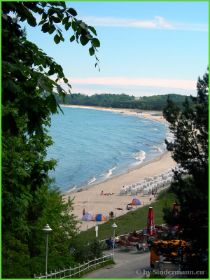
(91, 146)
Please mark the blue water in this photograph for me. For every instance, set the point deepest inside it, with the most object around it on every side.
(93, 145)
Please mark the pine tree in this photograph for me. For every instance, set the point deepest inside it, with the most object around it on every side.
(190, 150)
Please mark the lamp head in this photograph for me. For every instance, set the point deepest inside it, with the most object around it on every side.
(114, 226)
(47, 229)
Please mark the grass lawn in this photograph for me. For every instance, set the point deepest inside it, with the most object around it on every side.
(133, 220)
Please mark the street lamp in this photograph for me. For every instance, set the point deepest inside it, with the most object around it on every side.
(114, 226)
(47, 229)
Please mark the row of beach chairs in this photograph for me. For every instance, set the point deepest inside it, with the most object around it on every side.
(149, 185)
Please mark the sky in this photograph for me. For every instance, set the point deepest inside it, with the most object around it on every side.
(147, 48)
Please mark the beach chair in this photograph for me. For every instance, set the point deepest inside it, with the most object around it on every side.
(124, 244)
(133, 191)
(123, 191)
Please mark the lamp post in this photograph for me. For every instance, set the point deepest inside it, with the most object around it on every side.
(114, 226)
(47, 229)
(96, 230)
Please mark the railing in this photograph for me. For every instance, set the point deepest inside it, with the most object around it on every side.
(76, 272)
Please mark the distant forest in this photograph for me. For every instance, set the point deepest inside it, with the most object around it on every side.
(155, 102)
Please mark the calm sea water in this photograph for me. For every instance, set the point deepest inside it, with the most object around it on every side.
(93, 145)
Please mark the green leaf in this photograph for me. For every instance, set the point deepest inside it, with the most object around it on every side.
(44, 16)
(61, 36)
(52, 104)
(45, 27)
(52, 29)
(56, 19)
(51, 11)
(91, 51)
(92, 29)
(74, 25)
(65, 80)
(67, 25)
(31, 21)
(65, 20)
(72, 38)
(57, 39)
(84, 40)
(42, 21)
(95, 42)
(72, 12)
(27, 15)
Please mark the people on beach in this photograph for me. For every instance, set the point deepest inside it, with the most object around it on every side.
(102, 193)
(129, 206)
(111, 215)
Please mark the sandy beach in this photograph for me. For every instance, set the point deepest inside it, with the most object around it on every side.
(152, 115)
(92, 201)
(90, 198)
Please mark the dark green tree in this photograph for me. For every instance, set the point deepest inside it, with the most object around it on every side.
(190, 150)
(29, 79)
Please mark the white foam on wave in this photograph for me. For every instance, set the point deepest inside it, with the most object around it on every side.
(159, 148)
(110, 171)
(140, 156)
(72, 189)
(170, 137)
(92, 180)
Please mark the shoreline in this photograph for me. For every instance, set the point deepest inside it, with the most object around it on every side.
(151, 115)
(131, 112)
(126, 171)
(89, 198)
(92, 201)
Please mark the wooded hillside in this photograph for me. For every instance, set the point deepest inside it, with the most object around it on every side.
(155, 102)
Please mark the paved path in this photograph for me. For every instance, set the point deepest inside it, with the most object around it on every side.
(128, 265)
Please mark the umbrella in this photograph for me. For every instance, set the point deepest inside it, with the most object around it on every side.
(87, 217)
(136, 201)
(150, 222)
(100, 217)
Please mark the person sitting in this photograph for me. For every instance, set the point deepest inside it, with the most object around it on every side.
(109, 243)
(139, 247)
(129, 206)
(135, 234)
(111, 215)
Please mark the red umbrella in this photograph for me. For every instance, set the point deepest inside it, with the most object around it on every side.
(150, 222)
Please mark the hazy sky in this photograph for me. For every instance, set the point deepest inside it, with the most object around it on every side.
(146, 47)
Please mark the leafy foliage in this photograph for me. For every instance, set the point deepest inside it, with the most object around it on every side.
(190, 150)
(30, 77)
(156, 102)
(83, 250)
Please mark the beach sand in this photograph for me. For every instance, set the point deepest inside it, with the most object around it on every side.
(152, 115)
(90, 198)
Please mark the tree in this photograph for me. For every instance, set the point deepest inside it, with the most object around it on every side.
(30, 77)
(190, 150)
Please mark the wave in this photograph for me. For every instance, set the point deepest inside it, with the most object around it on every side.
(140, 156)
(159, 149)
(170, 137)
(72, 189)
(92, 180)
(110, 171)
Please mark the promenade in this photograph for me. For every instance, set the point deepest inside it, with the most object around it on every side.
(129, 264)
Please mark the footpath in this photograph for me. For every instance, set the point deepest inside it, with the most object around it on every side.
(130, 264)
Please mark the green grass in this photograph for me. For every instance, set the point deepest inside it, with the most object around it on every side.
(133, 220)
